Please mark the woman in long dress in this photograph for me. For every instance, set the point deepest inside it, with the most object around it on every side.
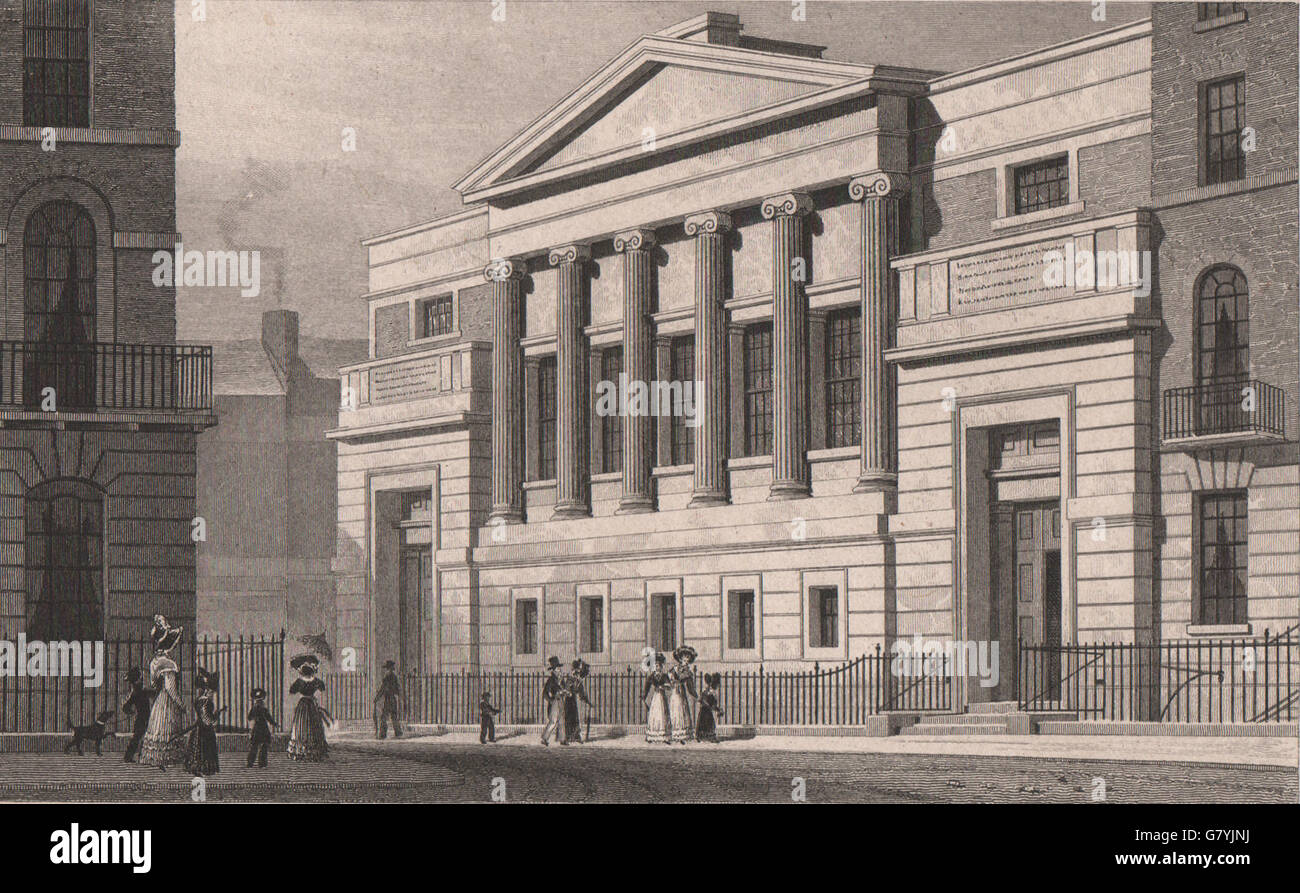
(161, 744)
(575, 691)
(656, 723)
(201, 749)
(307, 734)
(681, 689)
(706, 726)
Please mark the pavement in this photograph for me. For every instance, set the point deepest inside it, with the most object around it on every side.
(1240, 751)
(454, 767)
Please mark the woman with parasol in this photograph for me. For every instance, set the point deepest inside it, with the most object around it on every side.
(307, 734)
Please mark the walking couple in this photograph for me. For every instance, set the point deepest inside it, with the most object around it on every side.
(671, 693)
(562, 692)
(164, 739)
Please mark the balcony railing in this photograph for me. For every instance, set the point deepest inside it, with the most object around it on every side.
(37, 375)
(1238, 406)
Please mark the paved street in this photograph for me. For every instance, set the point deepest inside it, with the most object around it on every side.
(431, 770)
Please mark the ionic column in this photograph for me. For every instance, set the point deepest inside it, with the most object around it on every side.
(638, 364)
(879, 193)
(506, 275)
(572, 459)
(710, 232)
(790, 477)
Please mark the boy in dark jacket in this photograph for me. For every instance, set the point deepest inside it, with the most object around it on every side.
(259, 738)
(487, 727)
(139, 704)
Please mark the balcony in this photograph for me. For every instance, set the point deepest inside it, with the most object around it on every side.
(104, 378)
(1243, 409)
(443, 386)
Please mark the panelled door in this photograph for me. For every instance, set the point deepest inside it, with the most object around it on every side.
(1037, 582)
(416, 586)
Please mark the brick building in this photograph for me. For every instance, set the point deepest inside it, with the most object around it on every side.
(99, 407)
(958, 377)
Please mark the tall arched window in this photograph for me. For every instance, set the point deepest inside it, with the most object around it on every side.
(1222, 347)
(64, 561)
(59, 305)
(56, 63)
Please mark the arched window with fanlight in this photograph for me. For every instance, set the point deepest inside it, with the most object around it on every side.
(1222, 348)
(59, 305)
(64, 561)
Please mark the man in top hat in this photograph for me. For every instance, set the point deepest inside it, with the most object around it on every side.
(553, 695)
(138, 703)
(259, 737)
(487, 727)
(388, 702)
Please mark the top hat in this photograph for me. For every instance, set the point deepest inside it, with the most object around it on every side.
(390, 665)
(206, 679)
(552, 663)
(305, 663)
(258, 694)
(659, 657)
(685, 651)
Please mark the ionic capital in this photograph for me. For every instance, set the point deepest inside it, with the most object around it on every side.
(503, 268)
(569, 254)
(790, 204)
(634, 240)
(877, 184)
(708, 222)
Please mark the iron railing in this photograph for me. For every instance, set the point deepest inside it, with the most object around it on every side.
(36, 375)
(1185, 680)
(845, 694)
(49, 703)
(1237, 406)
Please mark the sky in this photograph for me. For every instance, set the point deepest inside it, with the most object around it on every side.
(264, 91)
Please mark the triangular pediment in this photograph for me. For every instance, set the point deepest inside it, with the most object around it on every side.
(673, 98)
(683, 90)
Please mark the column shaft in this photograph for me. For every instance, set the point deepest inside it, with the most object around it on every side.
(790, 476)
(572, 456)
(879, 193)
(638, 365)
(711, 248)
(507, 390)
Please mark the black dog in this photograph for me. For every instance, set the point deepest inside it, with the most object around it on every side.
(92, 734)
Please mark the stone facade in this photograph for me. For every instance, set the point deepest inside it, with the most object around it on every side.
(118, 440)
(997, 403)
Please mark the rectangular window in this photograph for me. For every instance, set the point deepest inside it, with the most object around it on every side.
(824, 617)
(435, 315)
(56, 63)
(1223, 115)
(663, 621)
(757, 351)
(611, 426)
(1207, 11)
(1223, 558)
(546, 414)
(1043, 184)
(740, 619)
(844, 378)
(593, 624)
(526, 626)
(683, 371)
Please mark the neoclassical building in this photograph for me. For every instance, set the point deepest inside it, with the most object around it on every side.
(969, 348)
(99, 406)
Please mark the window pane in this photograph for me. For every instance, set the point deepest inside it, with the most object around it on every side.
(611, 426)
(56, 70)
(683, 372)
(1043, 184)
(1223, 558)
(546, 400)
(757, 343)
(844, 378)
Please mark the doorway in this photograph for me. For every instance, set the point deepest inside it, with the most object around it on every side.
(1036, 592)
(414, 584)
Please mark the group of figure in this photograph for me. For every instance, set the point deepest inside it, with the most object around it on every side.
(161, 738)
(671, 693)
(561, 693)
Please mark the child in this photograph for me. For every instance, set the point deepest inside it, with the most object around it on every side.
(706, 727)
(259, 733)
(139, 704)
(487, 729)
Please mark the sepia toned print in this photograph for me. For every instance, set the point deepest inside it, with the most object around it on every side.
(812, 402)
